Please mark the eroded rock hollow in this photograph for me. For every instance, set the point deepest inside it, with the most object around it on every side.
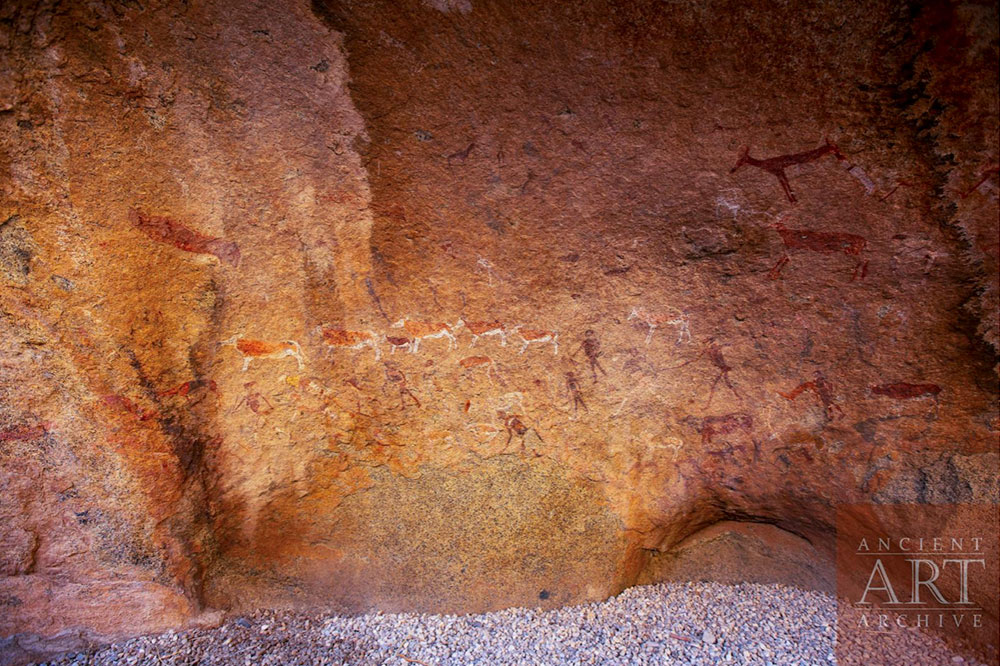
(460, 304)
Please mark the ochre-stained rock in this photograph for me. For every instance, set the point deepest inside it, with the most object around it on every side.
(463, 304)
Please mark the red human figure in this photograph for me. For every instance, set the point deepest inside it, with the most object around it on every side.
(573, 386)
(821, 387)
(715, 355)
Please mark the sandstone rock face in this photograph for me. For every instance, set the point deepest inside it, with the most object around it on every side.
(744, 552)
(456, 305)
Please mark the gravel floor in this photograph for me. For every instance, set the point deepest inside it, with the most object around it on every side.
(692, 623)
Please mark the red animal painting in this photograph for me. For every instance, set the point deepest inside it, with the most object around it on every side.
(396, 376)
(513, 424)
(420, 330)
(822, 242)
(255, 400)
(252, 349)
(531, 336)
(401, 343)
(479, 329)
(167, 230)
(339, 337)
(471, 362)
(461, 155)
(776, 165)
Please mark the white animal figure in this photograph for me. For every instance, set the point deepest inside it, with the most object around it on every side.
(420, 330)
(480, 329)
(674, 318)
(339, 337)
(531, 336)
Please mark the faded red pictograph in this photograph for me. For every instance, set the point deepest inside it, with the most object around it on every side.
(776, 165)
(823, 242)
(573, 387)
(255, 400)
(899, 183)
(339, 337)
(471, 362)
(513, 424)
(530, 336)
(461, 155)
(121, 402)
(167, 230)
(479, 329)
(591, 347)
(906, 390)
(822, 389)
(715, 355)
(421, 330)
(673, 317)
(396, 376)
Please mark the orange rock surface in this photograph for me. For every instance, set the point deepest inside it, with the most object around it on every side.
(438, 306)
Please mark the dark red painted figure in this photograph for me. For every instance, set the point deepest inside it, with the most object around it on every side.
(166, 230)
(591, 347)
(396, 376)
(823, 242)
(255, 400)
(515, 426)
(776, 165)
(573, 386)
(823, 391)
(906, 391)
(715, 355)
(461, 155)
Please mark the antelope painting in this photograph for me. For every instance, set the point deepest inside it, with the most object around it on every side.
(420, 330)
(471, 362)
(338, 337)
(822, 242)
(480, 329)
(252, 349)
(401, 343)
(673, 317)
(530, 336)
(776, 165)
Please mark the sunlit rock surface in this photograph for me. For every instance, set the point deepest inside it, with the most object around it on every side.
(458, 305)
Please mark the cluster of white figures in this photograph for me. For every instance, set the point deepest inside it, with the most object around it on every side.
(413, 332)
